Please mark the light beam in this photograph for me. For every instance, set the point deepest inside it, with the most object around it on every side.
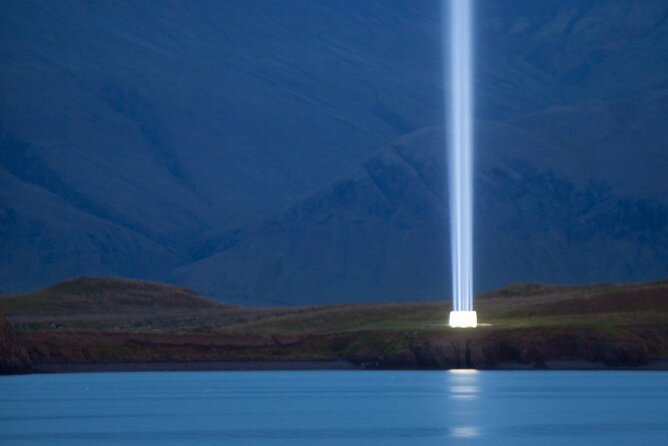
(460, 138)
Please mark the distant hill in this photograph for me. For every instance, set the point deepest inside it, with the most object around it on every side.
(100, 296)
(134, 137)
(566, 201)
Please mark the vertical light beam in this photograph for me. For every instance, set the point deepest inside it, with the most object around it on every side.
(460, 139)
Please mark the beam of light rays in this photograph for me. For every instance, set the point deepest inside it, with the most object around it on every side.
(460, 142)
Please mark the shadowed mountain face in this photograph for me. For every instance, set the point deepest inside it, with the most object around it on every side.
(135, 138)
(382, 234)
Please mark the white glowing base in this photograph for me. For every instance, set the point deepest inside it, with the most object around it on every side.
(463, 319)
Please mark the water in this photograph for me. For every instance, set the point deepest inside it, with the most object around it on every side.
(336, 408)
(460, 45)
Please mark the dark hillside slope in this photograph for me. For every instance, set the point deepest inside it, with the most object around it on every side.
(381, 234)
(129, 131)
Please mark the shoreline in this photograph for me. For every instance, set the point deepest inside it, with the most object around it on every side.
(314, 365)
(185, 366)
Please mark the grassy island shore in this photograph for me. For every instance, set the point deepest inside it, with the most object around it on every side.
(96, 324)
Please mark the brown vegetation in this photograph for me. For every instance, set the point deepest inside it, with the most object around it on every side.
(92, 321)
(13, 359)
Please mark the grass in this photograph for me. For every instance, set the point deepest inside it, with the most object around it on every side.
(119, 305)
(100, 319)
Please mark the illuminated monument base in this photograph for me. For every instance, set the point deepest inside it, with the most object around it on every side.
(463, 319)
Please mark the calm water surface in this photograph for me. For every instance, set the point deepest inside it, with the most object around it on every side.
(336, 408)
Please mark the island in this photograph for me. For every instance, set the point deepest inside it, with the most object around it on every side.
(107, 324)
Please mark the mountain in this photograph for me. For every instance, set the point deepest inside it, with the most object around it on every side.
(133, 135)
(382, 233)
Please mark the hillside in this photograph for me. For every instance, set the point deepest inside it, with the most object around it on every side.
(135, 137)
(103, 296)
(524, 326)
(569, 202)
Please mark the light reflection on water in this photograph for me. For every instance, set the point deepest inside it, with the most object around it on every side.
(464, 431)
(336, 408)
(463, 391)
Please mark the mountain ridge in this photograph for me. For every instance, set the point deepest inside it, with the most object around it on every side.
(526, 209)
(132, 135)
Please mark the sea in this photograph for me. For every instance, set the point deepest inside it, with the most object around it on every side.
(336, 408)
